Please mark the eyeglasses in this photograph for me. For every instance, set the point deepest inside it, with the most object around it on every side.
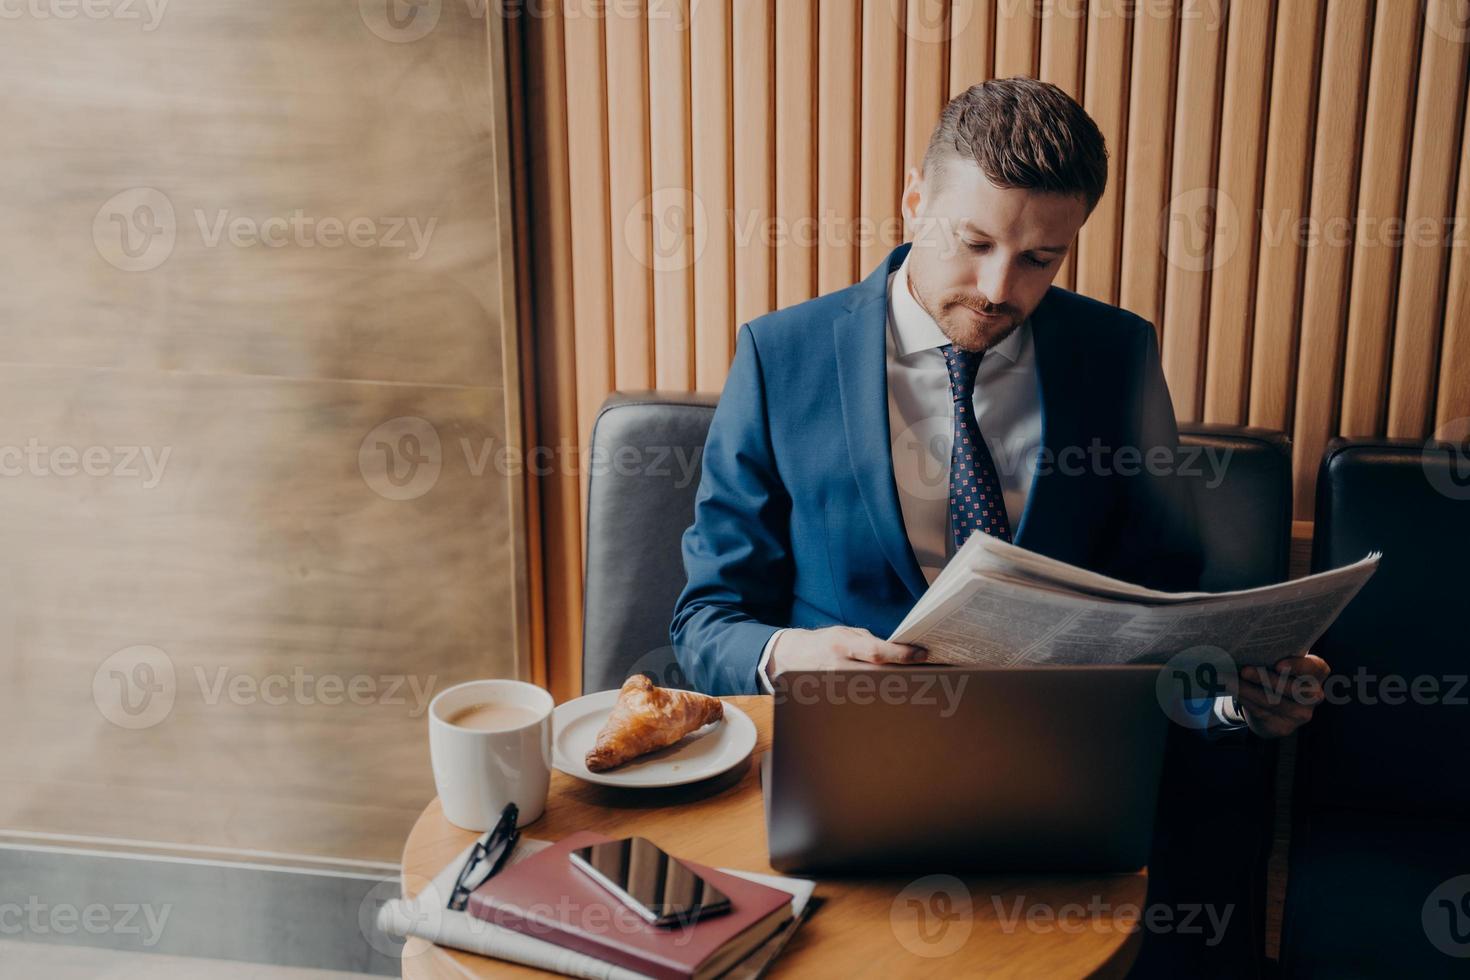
(488, 857)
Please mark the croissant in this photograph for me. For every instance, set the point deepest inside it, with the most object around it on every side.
(646, 718)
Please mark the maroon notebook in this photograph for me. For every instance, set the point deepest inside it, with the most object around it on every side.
(548, 897)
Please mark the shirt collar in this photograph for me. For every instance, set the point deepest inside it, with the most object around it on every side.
(914, 330)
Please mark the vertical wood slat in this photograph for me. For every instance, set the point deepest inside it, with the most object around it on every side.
(1380, 201)
(670, 207)
(755, 157)
(591, 292)
(881, 176)
(628, 192)
(971, 35)
(796, 192)
(587, 153)
(1284, 206)
(1105, 97)
(1335, 161)
(550, 347)
(1427, 213)
(839, 105)
(1238, 196)
(1146, 173)
(1452, 414)
(1191, 207)
(926, 75)
(1063, 47)
(1017, 34)
(714, 264)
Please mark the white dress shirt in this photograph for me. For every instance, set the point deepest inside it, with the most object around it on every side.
(1007, 405)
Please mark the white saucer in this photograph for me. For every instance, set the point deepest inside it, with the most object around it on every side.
(703, 753)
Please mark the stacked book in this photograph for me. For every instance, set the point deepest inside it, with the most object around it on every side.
(542, 910)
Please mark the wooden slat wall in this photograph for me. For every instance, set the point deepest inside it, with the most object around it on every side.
(1246, 139)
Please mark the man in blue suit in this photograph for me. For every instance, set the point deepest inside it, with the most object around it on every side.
(862, 435)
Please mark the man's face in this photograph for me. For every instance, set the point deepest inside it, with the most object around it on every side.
(984, 256)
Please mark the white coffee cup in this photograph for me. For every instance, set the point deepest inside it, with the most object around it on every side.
(478, 771)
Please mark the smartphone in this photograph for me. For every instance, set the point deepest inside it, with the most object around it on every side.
(660, 888)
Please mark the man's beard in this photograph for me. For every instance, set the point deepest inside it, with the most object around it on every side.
(956, 317)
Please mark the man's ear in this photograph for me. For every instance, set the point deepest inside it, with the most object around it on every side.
(913, 199)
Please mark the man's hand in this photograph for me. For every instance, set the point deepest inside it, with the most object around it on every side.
(1278, 701)
(837, 647)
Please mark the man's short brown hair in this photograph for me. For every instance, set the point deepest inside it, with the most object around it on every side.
(1023, 133)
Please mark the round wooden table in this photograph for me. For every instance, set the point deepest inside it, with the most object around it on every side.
(934, 925)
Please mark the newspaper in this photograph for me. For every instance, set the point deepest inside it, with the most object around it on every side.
(999, 605)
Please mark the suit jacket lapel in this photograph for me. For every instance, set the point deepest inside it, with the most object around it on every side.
(862, 377)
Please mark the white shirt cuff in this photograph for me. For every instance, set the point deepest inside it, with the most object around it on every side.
(1226, 715)
(760, 668)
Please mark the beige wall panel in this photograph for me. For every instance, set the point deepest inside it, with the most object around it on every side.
(755, 157)
(1017, 38)
(629, 193)
(551, 350)
(1335, 162)
(714, 309)
(926, 76)
(1063, 50)
(1146, 175)
(971, 33)
(1284, 197)
(1452, 416)
(1105, 96)
(300, 615)
(796, 184)
(1396, 38)
(251, 236)
(671, 210)
(264, 152)
(1237, 209)
(880, 160)
(587, 139)
(1192, 207)
(839, 106)
(1428, 227)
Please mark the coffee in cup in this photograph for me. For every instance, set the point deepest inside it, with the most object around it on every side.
(490, 745)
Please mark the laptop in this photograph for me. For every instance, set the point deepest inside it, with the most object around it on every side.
(919, 769)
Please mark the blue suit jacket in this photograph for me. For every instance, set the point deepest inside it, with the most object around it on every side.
(797, 519)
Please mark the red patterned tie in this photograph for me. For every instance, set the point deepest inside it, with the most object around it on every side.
(975, 498)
